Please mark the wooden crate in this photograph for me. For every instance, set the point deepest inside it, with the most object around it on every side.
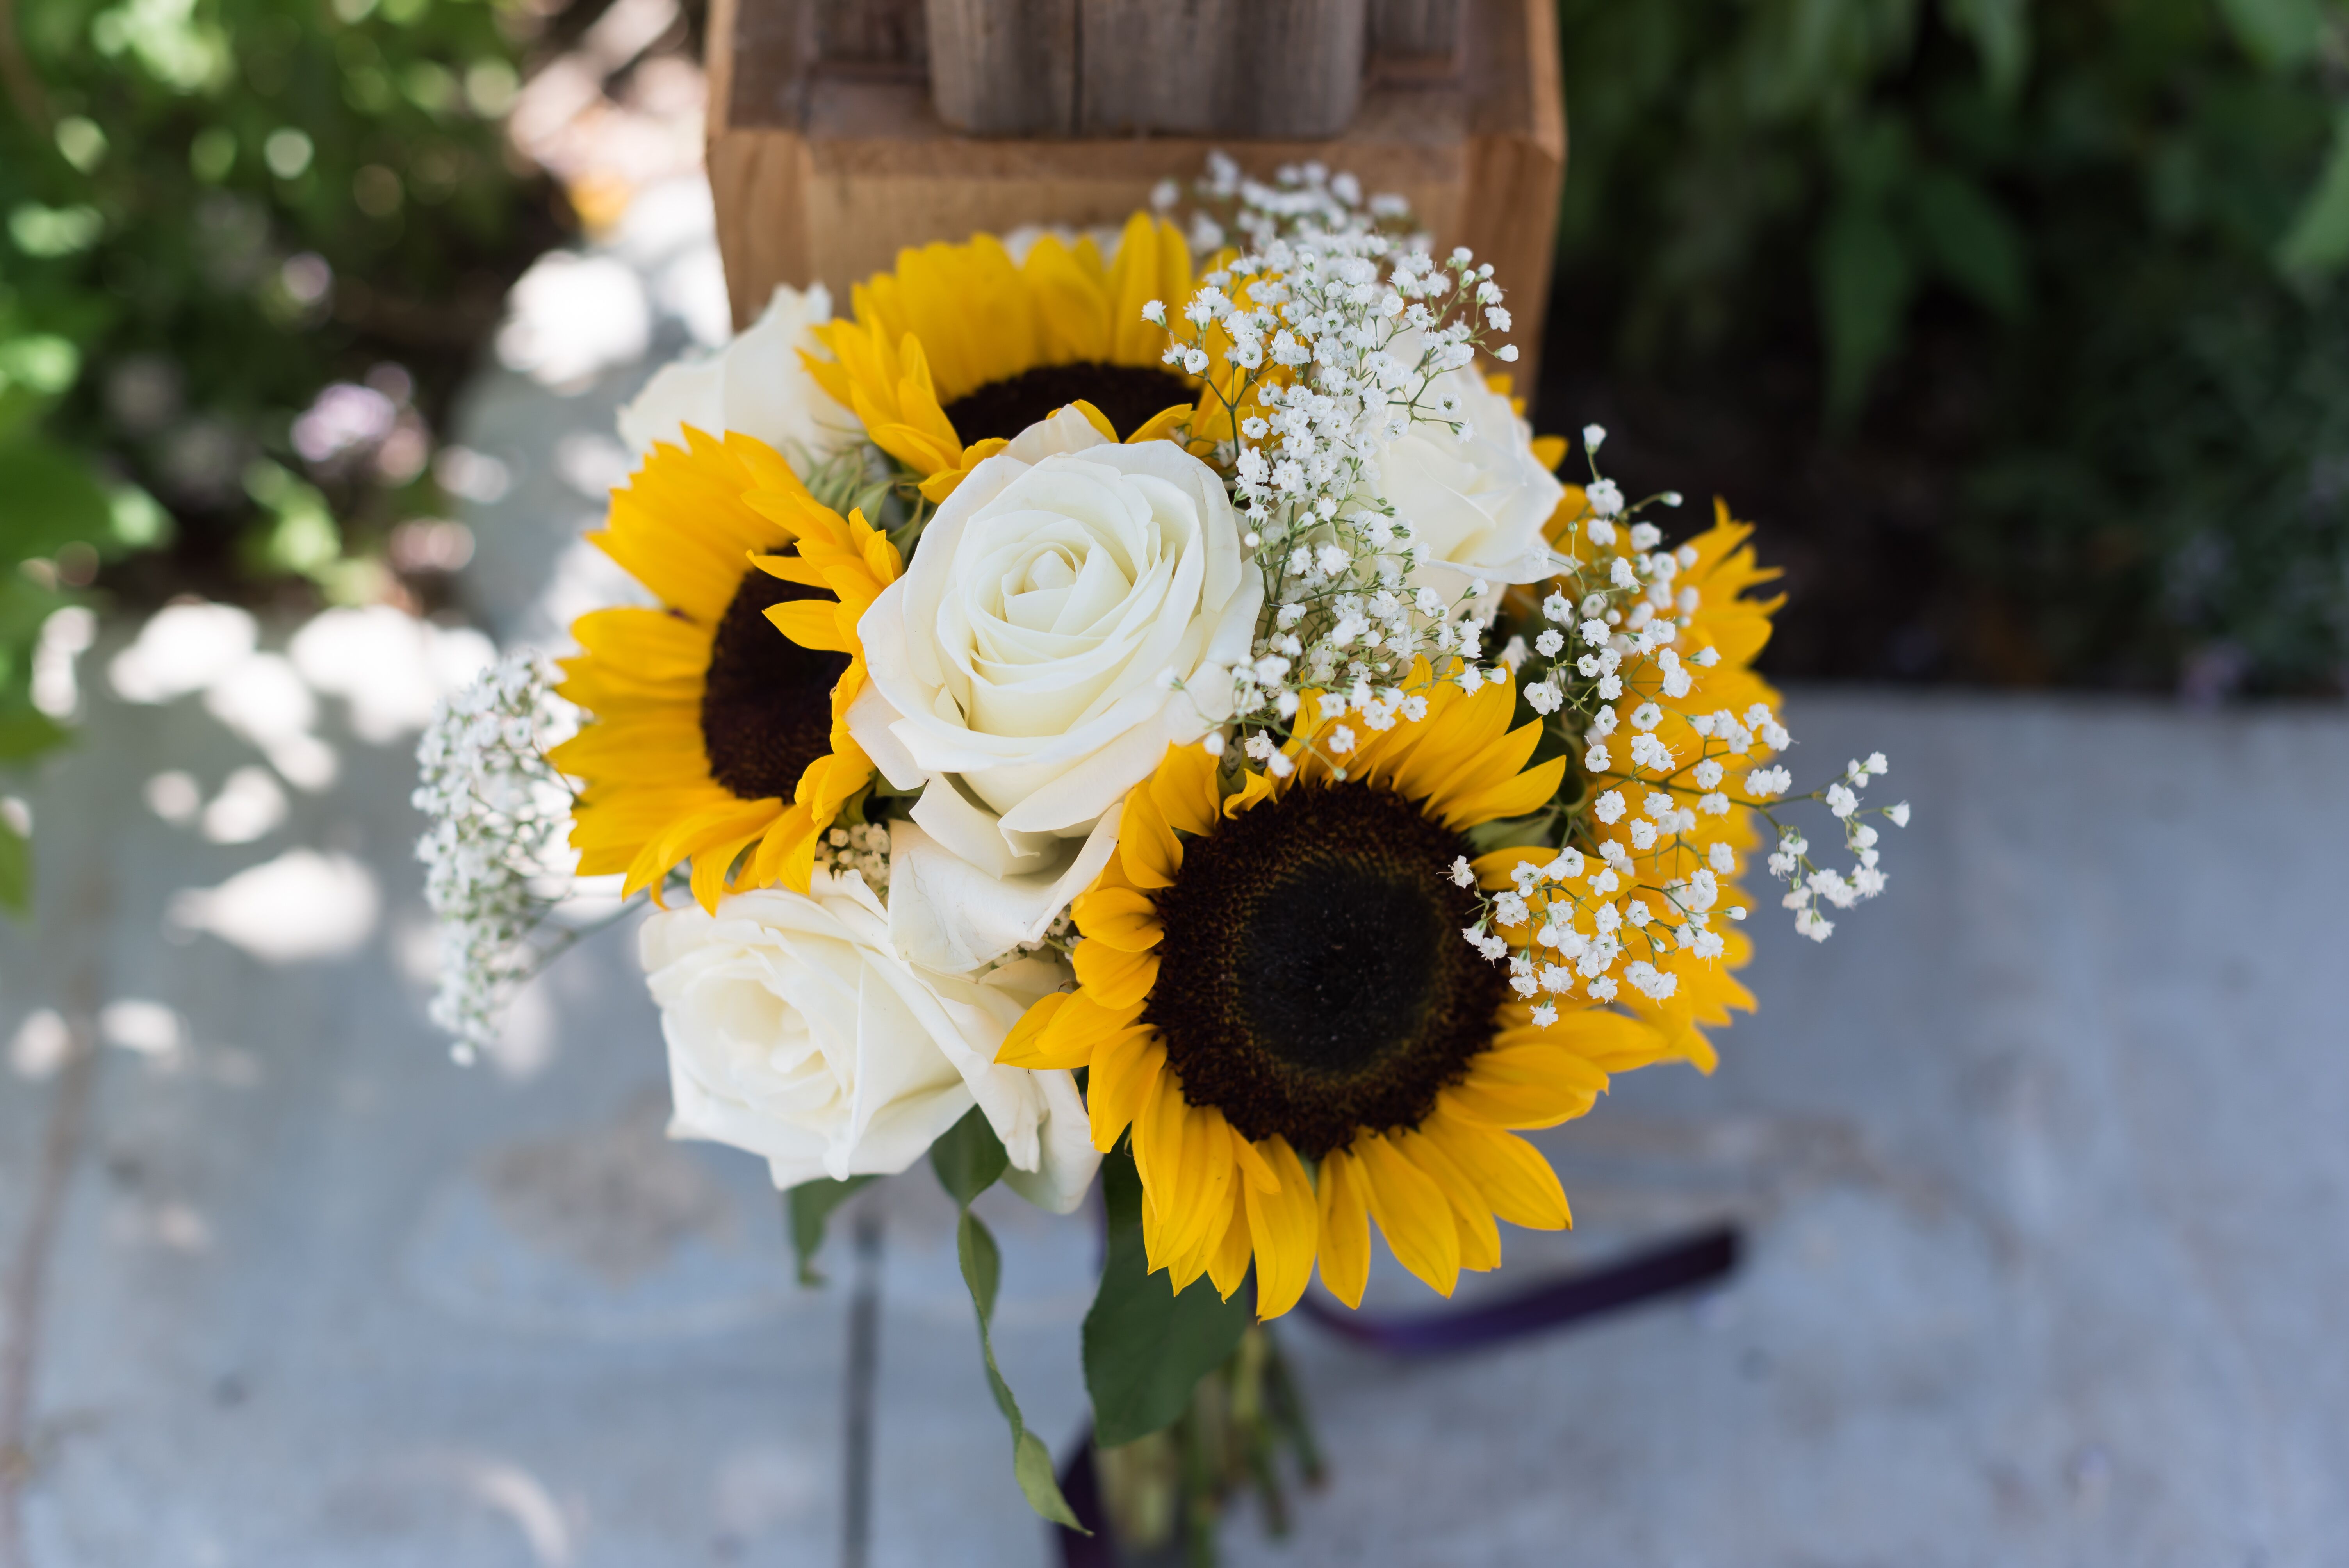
(827, 157)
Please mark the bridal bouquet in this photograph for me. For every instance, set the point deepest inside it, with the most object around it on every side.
(1142, 708)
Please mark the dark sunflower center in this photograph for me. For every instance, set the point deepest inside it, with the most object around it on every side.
(1128, 395)
(1312, 979)
(766, 704)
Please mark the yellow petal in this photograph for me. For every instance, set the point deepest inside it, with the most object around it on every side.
(1117, 917)
(1284, 1226)
(1228, 1267)
(813, 624)
(1162, 426)
(1411, 1212)
(1183, 788)
(1115, 978)
(1205, 1204)
(1070, 300)
(1019, 1048)
(1510, 1173)
(1344, 1254)
(1158, 1142)
(1082, 1026)
(1480, 1238)
(1095, 418)
(1148, 851)
(1528, 1086)
(1122, 1073)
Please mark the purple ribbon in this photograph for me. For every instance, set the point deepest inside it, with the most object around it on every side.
(1675, 1266)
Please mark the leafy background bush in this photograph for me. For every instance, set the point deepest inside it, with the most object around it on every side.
(251, 248)
(2016, 321)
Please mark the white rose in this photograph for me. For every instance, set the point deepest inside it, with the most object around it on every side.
(1075, 607)
(756, 385)
(1478, 505)
(796, 1032)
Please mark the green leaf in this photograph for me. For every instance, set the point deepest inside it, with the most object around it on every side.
(1970, 241)
(1145, 1347)
(968, 1159)
(811, 1204)
(2276, 33)
(50, 501)
(1864, 282)
(15, 867)
(1999, 31)
(27, 734)
(140, 520)
(2318, 241)
(42, 361)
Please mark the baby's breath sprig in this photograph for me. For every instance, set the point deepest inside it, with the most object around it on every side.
(1808, 883)
(1323, 341)
(496, 867)
(1603, 673)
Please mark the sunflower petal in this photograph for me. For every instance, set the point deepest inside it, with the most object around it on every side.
(1117, 917)
(1508, 1171)
(1229, 1266)
(1284, 1227)
(1340, 1203)
(1183, 788)
(1480, 1238)
(1019, 1048)
(1146, 845)
(1411, 1212)
(1122, 1073)
(1115, 979)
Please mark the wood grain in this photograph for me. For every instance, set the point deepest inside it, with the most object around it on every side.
(1408, 38)
(1004, 67)
(825, 178)
(1229, 67)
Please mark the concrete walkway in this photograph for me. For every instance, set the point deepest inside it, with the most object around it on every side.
(2039, 1159)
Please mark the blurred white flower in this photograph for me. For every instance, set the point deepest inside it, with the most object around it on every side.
(796, 1032)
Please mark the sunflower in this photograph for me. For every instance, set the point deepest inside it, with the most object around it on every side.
(1275, 996)
(717, 720)
(959, 349)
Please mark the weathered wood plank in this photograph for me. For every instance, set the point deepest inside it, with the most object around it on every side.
(1229, 67)
(1416, 37)
(1005, 68)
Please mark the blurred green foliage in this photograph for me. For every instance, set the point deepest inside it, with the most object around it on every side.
(214, 210)
(2127, 218)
